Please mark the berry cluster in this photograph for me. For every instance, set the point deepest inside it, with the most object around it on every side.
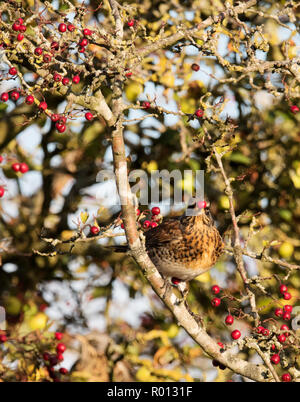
(16, 167)
(53, 359)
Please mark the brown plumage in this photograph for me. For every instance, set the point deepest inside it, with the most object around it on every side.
(186, 246)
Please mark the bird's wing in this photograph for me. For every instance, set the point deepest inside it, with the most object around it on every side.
(169, 231)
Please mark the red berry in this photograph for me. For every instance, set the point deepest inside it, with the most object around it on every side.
(43, 105)
(53, 360)
(275, 359)
(12, 71)
(47, 58)
(87, 32)
(265, 332)
(259, 329)
(284, 327)
(20, 37)
(29, 99)
(153, 225)
(89, 116)
(24, 167)
(55, 117)
(235, 334)
(273, 347)
(138, 212)
(281, 338)
(20, 20)
(195, 67)
(2, 191)
(14, 95)
(81, 49)
(16, 26)
(1, 158)
(65, 81)
(57, 77)
(62, 27)
(58, 335)
(130, 23)
(155, 211)
(283, 289)
(175, 281)
(146, 224)
(4, 97)
(83, 42)
(22, 28)
(63, 370)
(46, 356)
(216, 302)
(278, 312)
(60, 357)
(122, 226)
(286, 316)
(128, 74)
(55, 45)
(146, 105)
(286, 377)
(202, 204)
(95, 230)
(288, 308)
(60, 348)
(287, 296)
(294, 109)
(16, 166)
(76, 79)
(221, 345)
(229, 320)
(38, 51)
(60, 127)
(215, 289)
(199, 113)
(71, 27)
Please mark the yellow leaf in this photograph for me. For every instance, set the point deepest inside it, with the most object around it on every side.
(84, 216)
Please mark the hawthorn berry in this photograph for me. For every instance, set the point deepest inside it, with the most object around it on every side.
(175, 281)
(63, 371)
(12, 71)
(20, 37)
(284, 327)
(83, 42)
(1, 158)
(58, 335)
(138, 212)
(2, 191)
(22, 28)
(54, 117)
(81, 49)
(281, 338)
(87, 32)
(43, 105)
(287, 296)
(16, 26)
(294, 109)
(14, 95)
(286, 377)
(16, 166)
(278, 312)
(29, 99)
(265, 332)
(259, 329)
(221, 345)
(122, 226)
(60, 357)
(3, 338)
(47, 58)
(89, 116)
(53, 360)
(4, 97)
(55, 45)
(57, 77)
(76, 79)
(229, 320)
(199, 113)
(215, 289)
(38, 51)
(286, 316)
(146, 224)
(202, 204)
(153, 225)
(60, 348)
(24, 167)
(95, 230)
(283, 289)
(20, 20)
(65, 81)
(62, 27)
(146, 105)
(216, 302)
(46, 356)
(195, 67)
(60, 127)
(275, 359)
(288, 308)
(155, 211)
(128, 74)
(71, 27)
(130, 23)
(235, 334)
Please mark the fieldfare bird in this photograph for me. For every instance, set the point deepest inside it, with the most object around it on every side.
(184, 247)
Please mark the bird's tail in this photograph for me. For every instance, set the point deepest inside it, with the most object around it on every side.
(119, 248)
